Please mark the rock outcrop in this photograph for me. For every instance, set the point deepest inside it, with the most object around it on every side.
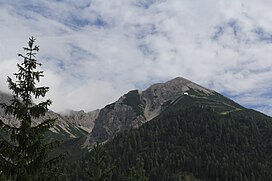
(82, 119)
(137, 107)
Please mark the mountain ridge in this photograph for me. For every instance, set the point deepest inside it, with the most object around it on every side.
(64, 128)
(134, 109)
(138, 107)
(197, 134)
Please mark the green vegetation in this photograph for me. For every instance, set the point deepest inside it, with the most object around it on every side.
(99, 170)
(190, 141)
(24, 155)
(206, 144)
(96, 167)
(215, 101)
(137, 173)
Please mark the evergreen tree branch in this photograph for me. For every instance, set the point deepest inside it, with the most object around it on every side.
(44, 126)
(40, 109)
(8, 128)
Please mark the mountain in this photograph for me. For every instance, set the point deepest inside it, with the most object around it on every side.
(66, 127)
(179, 130)
(195, 139)
(138, 107)
(82, 119)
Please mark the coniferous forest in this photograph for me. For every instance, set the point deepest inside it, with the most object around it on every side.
(194, 143)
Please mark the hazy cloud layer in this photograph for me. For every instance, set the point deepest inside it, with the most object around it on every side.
(94, 51)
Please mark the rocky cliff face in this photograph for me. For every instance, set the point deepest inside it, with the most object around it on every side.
(66, 127)
(137, 107)
(82, 119)
(159, 96)
(115, 118)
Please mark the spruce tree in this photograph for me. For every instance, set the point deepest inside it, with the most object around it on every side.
(99, 169)
(137, 173)
(24, 155)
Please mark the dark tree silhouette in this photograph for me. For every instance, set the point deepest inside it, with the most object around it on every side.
(99, 169)
(24, 153)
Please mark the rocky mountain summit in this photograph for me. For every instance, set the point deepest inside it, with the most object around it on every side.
(158, 96)
(137, 107)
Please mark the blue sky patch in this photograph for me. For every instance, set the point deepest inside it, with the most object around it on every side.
(145, 49)
(219, 30)
(76, 22)
(262, 35)
(232, 25)
(145, 3)
(146, 30)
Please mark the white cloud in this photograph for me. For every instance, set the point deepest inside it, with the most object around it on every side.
(93, 51)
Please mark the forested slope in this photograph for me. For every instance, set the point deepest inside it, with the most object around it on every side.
(193, 141)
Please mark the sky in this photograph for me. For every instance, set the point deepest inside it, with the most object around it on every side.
(94, 51)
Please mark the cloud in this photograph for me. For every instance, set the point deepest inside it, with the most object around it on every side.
(93, 51)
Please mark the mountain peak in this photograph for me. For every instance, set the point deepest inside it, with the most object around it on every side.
(175, 88)
(179, 79)
(187, 84)
(137, 107)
